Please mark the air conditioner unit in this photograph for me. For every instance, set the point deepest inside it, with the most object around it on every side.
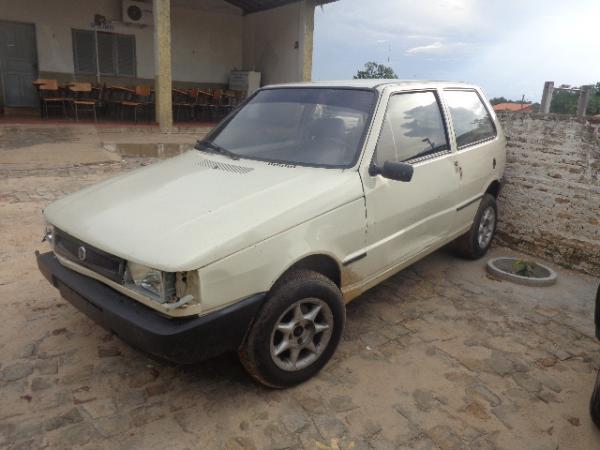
(137, 12)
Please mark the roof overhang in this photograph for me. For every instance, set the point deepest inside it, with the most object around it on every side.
(252, 6)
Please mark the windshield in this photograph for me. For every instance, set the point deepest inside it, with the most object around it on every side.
(304, 126)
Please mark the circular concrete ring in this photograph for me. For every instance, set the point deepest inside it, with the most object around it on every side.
(502, 268)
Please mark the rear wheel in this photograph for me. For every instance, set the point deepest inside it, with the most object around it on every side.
(296, 332)
(476, 242)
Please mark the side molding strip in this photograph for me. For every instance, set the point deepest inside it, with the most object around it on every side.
(470, 202)
(354, 259)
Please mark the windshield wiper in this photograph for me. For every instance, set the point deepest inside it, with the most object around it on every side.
(214, 148)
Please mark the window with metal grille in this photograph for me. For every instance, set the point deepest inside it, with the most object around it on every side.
(116, 53)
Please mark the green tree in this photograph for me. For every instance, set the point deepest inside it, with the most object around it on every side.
(374, 70)
(498, 100)
(594, 104)
(564, 102)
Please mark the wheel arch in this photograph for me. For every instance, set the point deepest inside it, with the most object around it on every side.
(321, 263)
(494, 188)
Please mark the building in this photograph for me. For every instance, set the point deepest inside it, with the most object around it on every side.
(179, 43)
(514, 107)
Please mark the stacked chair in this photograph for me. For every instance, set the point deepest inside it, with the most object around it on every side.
(84, 98)
(119, 103)
(141, 102)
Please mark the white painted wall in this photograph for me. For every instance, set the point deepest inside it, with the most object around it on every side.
(207, 43)
(269, 40)
(205, 46)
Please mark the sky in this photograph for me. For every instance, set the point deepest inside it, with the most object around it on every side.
(509, 47)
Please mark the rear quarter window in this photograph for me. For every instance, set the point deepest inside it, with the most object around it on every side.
(471, 119)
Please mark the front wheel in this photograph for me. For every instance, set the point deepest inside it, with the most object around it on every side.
(595, 402)
(296, 332)
(476, 242)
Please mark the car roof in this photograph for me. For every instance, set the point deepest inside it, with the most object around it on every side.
(376, 84)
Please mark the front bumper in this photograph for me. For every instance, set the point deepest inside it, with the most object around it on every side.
(179, 340)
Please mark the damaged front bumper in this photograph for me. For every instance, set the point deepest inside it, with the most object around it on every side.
(180, 340)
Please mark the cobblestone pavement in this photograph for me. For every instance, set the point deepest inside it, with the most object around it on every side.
(438, 357)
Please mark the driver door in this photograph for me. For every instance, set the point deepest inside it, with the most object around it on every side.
(406, 219)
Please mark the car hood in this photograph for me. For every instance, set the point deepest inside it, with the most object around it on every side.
(194, 209)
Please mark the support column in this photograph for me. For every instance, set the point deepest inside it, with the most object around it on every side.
(547, 97)
(584, 98)
(305, 39)
(162, 64)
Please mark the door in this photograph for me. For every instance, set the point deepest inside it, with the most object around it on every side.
(477, 149)
(18, 64)
(409, 218)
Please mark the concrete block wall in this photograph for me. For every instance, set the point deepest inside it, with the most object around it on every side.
(550, 205)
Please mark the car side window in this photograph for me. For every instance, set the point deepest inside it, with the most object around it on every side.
(413, 128)
(471, 119)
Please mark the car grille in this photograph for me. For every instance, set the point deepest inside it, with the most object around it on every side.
(75, 250)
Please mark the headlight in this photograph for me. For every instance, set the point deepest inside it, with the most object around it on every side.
(160, 285)
(48, 234)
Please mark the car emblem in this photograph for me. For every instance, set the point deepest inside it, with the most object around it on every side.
(81, 253)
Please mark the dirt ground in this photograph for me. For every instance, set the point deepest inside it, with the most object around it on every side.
(438, 357)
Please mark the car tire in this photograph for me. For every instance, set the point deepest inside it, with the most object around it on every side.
(475, 243)
(297, 330)
(595, 402)
(597, 314)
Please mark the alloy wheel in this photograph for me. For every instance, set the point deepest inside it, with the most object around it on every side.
(487, 225)
(301, 334)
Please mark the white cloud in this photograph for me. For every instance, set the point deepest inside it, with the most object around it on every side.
(510, 47)
(431, 48)
(437, 48)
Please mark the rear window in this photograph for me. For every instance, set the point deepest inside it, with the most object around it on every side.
(472, 122)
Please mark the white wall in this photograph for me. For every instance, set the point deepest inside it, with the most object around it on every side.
(206, 45)
(269, 40)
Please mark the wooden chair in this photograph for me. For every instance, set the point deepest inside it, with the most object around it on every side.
(141, 101)
(51, 97)
(85, 98)
(41, 81)
(231, 101)
(37, 83)
(202, 104)
(220, 104)
(113, 98)
(217, 103)
(182, 103)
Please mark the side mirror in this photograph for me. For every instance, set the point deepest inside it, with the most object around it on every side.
(398, 171)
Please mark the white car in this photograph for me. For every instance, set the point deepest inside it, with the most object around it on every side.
(299, 201)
